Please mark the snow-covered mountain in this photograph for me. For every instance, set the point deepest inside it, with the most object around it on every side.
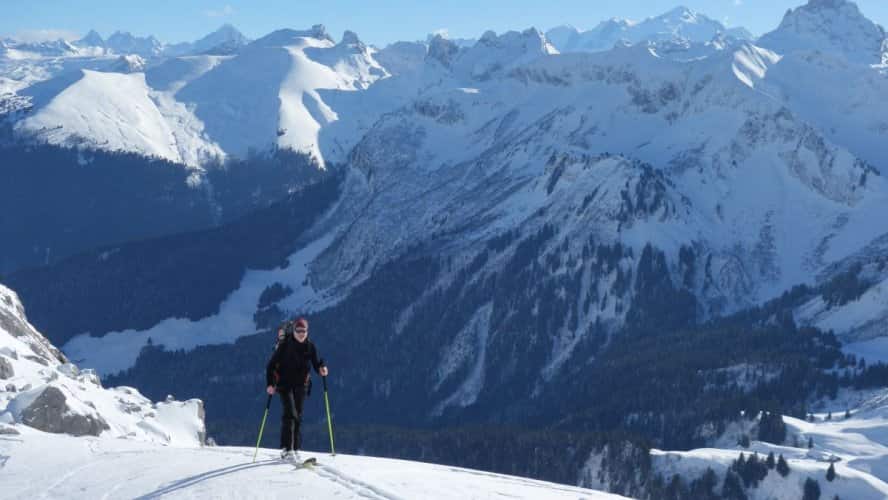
(91, 39)
(197, 108)
(124, 42)
(18, 50)
(833, 27)
(679, 25)
(226, 40)
(41, 389)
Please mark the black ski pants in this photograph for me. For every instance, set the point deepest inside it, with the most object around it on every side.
(291, 400)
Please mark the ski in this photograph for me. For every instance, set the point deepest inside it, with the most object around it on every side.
(308, 463)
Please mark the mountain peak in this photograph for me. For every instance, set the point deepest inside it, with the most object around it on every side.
(679, 13)
(92, 39)
(124, 42)
(832, 26)
(442, 50)
(350, 38)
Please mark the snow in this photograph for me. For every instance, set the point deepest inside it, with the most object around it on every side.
(468, 351)
(833, 26)
(117, 351)
(113, 110)
(678, 25)
(37, 365)
(192, 109)
(858, 446)
(31, 466)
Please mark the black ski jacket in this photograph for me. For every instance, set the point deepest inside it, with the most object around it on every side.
(291, 363)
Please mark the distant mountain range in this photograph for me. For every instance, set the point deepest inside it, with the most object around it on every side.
(678, 26)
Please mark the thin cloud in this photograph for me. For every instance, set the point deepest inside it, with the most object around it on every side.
(223, 12)
(47, 35)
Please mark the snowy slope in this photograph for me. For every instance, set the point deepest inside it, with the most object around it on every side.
(114, 111)
(40, 388)
(270, 93)
(31, 467)
(858, 446)
(197, 108)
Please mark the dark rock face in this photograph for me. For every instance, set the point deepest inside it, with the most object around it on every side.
(50, 413)
(7, 430)
(6, 371)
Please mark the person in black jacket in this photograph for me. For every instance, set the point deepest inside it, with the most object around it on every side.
(287, 374)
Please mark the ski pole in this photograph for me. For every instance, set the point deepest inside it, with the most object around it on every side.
(329, 421)
(262, 427)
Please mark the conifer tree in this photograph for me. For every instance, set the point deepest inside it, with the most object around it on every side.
(782, 466)
(831, 472)
(732, 489)
(812, 490)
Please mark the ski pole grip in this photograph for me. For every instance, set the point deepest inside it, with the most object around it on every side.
(324, 378)
(268, 403)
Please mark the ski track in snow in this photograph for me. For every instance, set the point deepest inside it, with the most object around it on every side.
(111, 468)
(361, 488)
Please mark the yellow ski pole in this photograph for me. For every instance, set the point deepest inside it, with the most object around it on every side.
(262, 427)
(329, 421)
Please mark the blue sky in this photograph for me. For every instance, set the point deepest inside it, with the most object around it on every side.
(378, 22)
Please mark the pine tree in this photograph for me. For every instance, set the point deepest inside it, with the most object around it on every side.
(831, 472)
(812, 490)
(744, 441)
(771, 462)
(732, 489)
(810, 442)
(829, 416)
(847, 414)
(703, 488)
(782, 466)
(676, 490)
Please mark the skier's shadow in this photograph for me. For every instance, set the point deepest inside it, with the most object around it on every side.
(203, 476)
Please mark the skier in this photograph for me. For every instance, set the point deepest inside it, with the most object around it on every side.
(287, 373)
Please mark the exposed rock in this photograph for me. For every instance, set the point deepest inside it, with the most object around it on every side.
(6, 371)
(50, 413)
(202, 414)
(37, 359)
(8, 430)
